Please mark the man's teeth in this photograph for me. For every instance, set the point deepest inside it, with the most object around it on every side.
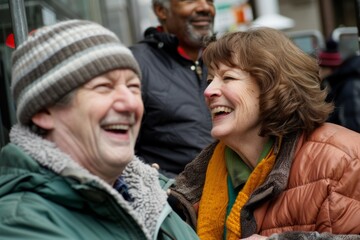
(116, 127)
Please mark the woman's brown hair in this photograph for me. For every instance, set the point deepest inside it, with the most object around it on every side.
(290, 95)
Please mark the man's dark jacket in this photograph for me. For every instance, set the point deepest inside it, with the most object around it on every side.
(176, 123)
(344, 86)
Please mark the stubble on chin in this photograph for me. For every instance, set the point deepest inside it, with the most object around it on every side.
(196, 38)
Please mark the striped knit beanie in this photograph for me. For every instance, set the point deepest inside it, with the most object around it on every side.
(57, 59)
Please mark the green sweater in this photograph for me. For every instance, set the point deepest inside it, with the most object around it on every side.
(44, 194)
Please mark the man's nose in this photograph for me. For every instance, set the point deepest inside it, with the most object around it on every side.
(204, 6)
(125, 99)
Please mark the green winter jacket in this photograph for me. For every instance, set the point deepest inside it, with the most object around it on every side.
(44, 194)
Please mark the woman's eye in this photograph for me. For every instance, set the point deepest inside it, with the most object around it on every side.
(228, 78)
(209, 81)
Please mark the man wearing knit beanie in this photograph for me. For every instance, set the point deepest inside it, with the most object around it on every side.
(69, 171)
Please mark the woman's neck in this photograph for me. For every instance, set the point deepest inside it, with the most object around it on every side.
(249, 150)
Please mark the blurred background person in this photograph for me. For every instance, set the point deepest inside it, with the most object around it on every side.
(342, 78)
(69, 171)
(277, 168)
(176, 123)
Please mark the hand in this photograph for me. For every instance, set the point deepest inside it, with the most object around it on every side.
(255, 237)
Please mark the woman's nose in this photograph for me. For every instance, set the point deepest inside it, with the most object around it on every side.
(212, 90)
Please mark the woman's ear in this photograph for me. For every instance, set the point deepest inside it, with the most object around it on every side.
(43, 119)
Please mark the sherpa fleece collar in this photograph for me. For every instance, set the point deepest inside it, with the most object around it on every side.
(142, 180)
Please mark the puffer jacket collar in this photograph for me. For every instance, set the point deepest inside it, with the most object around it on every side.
(190, 183)
(149, 198)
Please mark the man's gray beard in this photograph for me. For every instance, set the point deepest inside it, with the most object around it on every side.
(196, 39)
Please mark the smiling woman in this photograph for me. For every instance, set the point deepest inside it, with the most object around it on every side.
(274, 149)
(233, 98)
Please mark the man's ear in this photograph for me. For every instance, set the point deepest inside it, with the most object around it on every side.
(160, 11)
(43, 119)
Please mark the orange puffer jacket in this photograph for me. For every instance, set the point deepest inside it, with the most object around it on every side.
(313, 188)
(323, 191)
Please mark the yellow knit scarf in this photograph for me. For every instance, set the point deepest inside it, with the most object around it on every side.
(214, 200)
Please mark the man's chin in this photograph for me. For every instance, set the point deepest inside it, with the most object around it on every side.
(198, 41)
(199, 34)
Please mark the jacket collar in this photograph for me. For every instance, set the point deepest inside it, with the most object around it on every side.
(157, 37)
(190, 183)
(149, 198)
